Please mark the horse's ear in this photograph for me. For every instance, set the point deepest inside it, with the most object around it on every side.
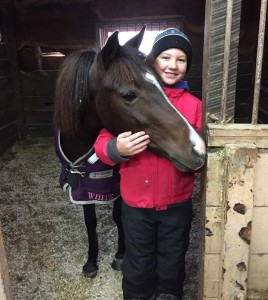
(135, 42)
(110, 50)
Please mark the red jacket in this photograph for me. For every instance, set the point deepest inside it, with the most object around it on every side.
(148, 180)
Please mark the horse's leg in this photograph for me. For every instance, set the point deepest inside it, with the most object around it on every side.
(90, 268)
(118, 259)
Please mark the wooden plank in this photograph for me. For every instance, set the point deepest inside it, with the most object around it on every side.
(215, 55)
(4, 67)
(3, 50)
(38, 24)
(8, 136)
(38, 117)
(40, 130)
(39, 103)
(11, 23)
(38, 83)
(220, 135)
(6, 93)
(7, 117)
(52, 63)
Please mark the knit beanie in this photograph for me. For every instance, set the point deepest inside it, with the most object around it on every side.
(172, 38)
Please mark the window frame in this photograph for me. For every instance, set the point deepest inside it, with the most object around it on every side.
(135, 24)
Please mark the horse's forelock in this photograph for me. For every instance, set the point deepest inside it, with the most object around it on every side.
(128, 66)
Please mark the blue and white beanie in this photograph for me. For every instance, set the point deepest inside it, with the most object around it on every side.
(172, 38)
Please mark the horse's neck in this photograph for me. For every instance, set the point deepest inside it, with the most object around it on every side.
(75, 147)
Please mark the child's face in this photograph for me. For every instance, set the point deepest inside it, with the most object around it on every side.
(171, 65)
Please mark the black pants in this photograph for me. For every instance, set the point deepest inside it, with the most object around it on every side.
(156, 243)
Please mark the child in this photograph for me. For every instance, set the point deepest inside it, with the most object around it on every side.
(156, 236)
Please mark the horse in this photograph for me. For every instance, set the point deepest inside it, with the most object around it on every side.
(123, 93)
(74, 150)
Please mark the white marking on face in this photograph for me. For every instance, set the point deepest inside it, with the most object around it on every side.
(197, 141)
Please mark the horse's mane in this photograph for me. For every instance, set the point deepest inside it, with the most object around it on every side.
(72, 93)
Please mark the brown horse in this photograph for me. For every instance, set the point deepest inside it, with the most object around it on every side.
(117, 89)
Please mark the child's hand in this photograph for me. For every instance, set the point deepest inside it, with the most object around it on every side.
(130, 144)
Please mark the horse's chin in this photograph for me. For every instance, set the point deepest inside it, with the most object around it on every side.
(199, 162)
(178, 165)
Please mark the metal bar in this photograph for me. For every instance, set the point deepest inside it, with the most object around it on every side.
(226, 59)
(259, 59)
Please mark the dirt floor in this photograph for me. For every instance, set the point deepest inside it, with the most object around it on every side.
(45, 237)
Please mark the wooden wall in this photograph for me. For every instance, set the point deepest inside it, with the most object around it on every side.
(9, 84)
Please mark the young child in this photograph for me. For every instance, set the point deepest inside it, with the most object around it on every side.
(156, 237)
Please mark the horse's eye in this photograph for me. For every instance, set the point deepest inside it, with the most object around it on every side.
(129, 96)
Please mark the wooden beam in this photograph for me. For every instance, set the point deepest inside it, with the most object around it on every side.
(220, 135)
(221, 38)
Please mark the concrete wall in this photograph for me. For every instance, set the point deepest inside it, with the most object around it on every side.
(235, 245)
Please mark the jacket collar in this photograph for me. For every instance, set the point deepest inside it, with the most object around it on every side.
(181, 85)
(176, 90)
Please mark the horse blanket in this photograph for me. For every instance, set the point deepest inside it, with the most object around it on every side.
(88, 180)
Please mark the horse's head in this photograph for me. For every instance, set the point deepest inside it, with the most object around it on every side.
(129, 97)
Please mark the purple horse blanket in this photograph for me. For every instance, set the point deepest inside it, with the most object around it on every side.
(88, 180)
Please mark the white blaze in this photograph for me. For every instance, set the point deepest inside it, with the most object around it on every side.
(196, 140)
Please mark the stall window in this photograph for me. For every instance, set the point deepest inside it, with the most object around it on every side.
(129, 29)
